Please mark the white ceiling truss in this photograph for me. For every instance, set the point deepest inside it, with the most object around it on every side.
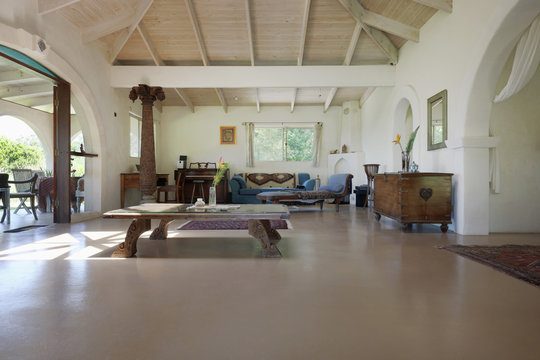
(252, 52)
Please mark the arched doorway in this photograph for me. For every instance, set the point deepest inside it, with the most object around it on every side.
(500, 36)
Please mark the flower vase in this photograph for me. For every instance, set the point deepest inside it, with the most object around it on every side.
(405, 160)
(212, 196)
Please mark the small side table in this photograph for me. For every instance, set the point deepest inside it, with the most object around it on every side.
(371, 170)
(4, 193)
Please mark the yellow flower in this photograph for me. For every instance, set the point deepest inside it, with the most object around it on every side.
(398, 138)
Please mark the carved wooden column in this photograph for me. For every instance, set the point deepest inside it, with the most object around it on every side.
(147, 176)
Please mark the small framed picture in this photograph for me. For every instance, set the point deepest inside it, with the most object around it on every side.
(227, 135)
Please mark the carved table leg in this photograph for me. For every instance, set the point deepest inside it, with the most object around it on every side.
(129, 247)
(444, 228)
(160, 233)
(268, 237)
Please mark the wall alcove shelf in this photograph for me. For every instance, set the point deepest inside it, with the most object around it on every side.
(85, 154)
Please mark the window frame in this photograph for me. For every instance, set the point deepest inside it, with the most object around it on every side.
(284, 142)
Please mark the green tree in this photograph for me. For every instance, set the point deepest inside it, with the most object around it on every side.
(19, 155)
(299, 144)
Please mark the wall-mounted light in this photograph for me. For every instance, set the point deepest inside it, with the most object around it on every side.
(41, 45)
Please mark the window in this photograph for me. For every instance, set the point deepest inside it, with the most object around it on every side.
(135, 124)
(283, 143)
(134, 135)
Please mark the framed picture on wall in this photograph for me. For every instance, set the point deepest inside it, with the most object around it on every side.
(227, 135)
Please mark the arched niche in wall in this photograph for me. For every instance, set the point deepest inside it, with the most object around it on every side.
(405, 117)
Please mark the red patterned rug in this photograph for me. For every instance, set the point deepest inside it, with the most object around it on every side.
(520, 261)
(227, 225)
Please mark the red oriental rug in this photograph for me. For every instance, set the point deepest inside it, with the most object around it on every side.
(227, 225)
(520, 261)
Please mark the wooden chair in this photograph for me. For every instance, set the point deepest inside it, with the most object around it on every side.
(26, 189)
(79, 194)
(198, 184)
(4, 188)
(178, 189)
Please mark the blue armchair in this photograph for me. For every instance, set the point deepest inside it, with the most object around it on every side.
(337, 188)
(241, 194)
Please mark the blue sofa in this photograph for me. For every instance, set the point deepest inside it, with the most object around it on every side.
(242, 194)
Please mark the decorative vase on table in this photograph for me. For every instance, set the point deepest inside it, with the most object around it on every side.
(212, 196)
(405, 160)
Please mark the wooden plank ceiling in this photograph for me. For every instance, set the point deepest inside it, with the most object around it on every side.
(250, 33)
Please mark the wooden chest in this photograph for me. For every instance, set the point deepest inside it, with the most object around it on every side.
(414, 198)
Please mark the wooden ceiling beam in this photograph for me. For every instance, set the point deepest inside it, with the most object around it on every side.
(348, 58)
(149, 44)
(122, 39)
(197, 31)
(185, 98)
(26, 91)
(305, 22)
(257, 100)
(330, 98)
(251, 50)
(159, 62)
(36, 101)
(250, 34)
(300, 59)
(222, 100)
(14, 77)
(443, 5)
(380, 39)
(366, 95)
(188, 77)
(202, 46)
(49, 6)
(380, 22)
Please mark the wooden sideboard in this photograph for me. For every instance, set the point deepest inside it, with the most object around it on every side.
(414, 198)
(131, 181)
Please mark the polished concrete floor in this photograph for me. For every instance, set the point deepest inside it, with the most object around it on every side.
(348, 287)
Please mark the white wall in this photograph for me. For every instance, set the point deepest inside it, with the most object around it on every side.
(377, 131)
(448, 55)
(517, 122)
(197, 136)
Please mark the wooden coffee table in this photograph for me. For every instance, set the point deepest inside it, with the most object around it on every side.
(258, 217)
(283, 196)
(277, 196)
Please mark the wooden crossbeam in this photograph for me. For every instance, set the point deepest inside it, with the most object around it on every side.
(251, 50)
(14, 77)
(300, 59)
(49, 6)
(380, 39)
(257, 100)
(26, 91)
(188, 77)
(348, 58)
(202, 46)
(380, 22)
(159, 62)
(122, 39)
(443, 5)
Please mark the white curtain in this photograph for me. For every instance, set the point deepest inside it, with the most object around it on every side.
(250, 132)
(526, 62)
(317, 144)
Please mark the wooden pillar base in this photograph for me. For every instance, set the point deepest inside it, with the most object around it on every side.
(129, 247)
(268, 237)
